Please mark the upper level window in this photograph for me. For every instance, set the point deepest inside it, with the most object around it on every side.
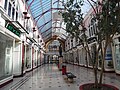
(16, 7)
(16, 16)
(12, 9)
(92, 27)
(13, 13)
(9, 9)
(5, 5)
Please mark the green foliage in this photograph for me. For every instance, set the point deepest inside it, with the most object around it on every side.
(73, 16)
(107, 14)
(110, 18)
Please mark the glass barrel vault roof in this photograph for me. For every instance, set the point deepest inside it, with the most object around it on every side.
(44, 13)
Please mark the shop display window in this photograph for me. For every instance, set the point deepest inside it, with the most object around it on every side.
(117, 56)
(6, 45)
(28, 57)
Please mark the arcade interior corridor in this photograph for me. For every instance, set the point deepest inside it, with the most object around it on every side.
(48, 77)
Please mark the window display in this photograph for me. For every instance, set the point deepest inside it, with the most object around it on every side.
(6, 45)
(28, 56)
(109, 58)
(34, 58)
(117, 56)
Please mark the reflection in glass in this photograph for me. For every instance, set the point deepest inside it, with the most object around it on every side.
(117, 56)
(5, 56)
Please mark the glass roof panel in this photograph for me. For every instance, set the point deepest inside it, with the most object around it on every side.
(42, 11)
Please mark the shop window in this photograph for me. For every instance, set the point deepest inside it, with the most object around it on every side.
(5, 5)
(5, 56)
(117, 57)
(28, 57)
(9, 9)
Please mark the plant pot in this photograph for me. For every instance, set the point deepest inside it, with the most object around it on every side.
(90, 86)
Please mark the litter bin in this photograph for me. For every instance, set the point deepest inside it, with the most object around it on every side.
(63, 69)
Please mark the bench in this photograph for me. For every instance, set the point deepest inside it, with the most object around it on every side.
(70, 76)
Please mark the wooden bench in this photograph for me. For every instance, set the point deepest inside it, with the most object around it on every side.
(70, 77)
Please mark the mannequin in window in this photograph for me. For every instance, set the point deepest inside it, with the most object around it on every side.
(60, 50)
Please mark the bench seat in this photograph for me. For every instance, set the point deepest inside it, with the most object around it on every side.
(70, 76)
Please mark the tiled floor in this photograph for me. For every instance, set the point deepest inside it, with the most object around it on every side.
(48, 77)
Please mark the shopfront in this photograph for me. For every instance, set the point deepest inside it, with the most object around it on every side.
(75, 56)
(108, 64)
(93, 55)
(71, 57)
(42, 57)
(28, 57)
(68, 57)
(34, 58)
(6, 56)
(38, 58)
(82, 54)
(109, 59)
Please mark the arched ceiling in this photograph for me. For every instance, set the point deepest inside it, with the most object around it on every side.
(47, 18)
(51, 40)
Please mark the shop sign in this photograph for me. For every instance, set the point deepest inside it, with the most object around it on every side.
(13, 29)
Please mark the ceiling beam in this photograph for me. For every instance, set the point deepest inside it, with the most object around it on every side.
(46, 30)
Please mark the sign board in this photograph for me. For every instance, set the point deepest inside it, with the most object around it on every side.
(13, 29)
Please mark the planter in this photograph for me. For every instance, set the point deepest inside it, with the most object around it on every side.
(90, 86)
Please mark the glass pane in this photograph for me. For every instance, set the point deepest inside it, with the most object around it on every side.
(13, 13)
(117, 56)
(9, 9)
(16, 16)
(28, 57)
(5, 56)
(5, 5)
